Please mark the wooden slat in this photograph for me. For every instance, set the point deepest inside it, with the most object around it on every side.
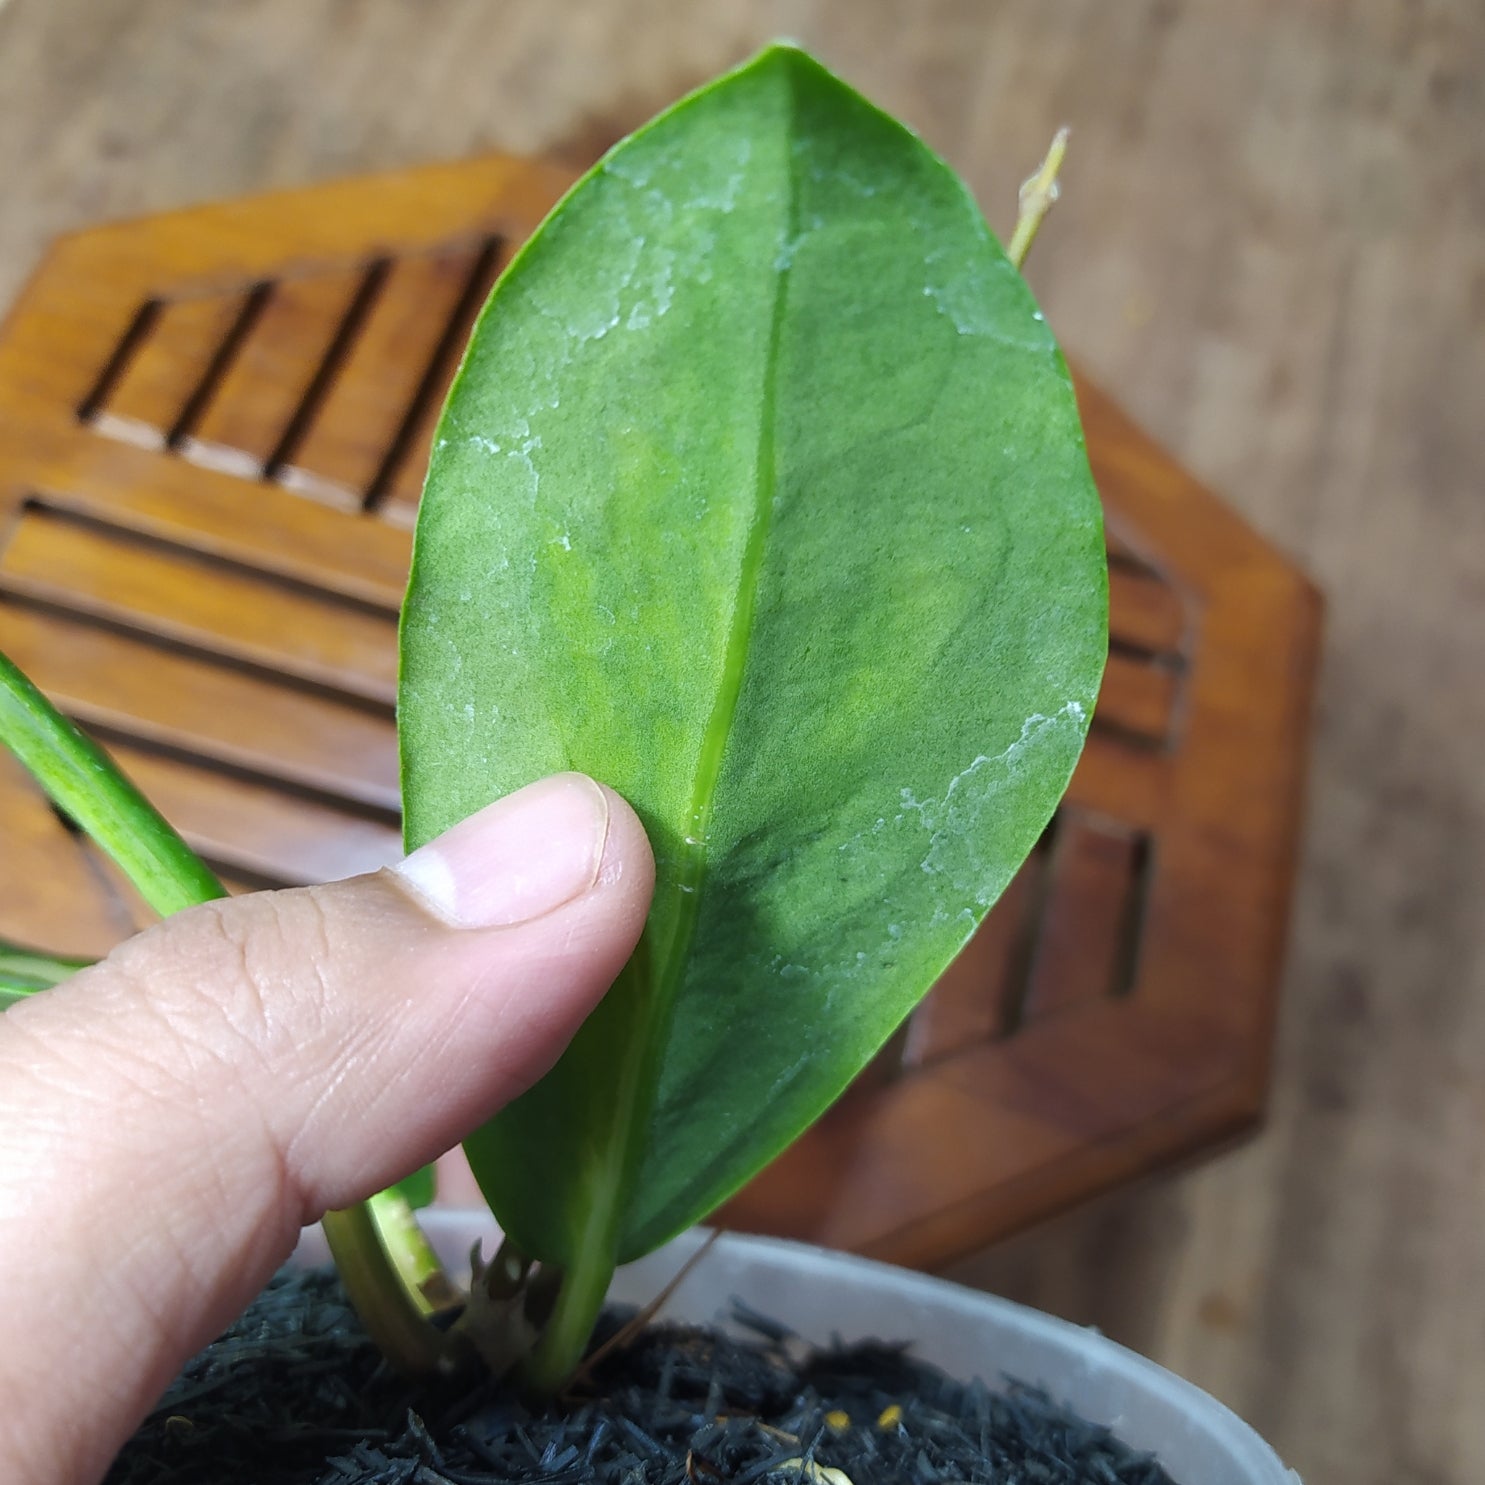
(49, 894)
(262, 526)
(251, 408)
(239, 883)
(405, 488)
(151, 390)
(969, 1002)
(1083, 948)
(173, 592)
(259, 828)
(400, 508)
(1116, 538)
(136, 913)
(1137, 698)
(1145, 612)
(190, 702)
(353, 431)
(1125, 783)
(1021, 1123)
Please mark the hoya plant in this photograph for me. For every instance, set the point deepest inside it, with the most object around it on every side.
(761, 496)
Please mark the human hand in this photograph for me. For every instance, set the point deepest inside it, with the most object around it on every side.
(175, 1114)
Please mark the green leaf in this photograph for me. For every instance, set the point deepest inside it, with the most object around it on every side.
(760, 496)
(418, 1189)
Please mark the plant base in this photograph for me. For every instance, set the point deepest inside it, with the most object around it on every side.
(295, 1393)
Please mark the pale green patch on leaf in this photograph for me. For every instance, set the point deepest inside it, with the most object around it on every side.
(761, 496)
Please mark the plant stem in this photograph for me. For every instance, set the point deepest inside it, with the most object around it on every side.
(14, 988)
(25, 971)
(589, 1265)
(86, 784)
(410, 1252)
(1038, 194)
(34, 964)
(565, 1336)
(392, 1317)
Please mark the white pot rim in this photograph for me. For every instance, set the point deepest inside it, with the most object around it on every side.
(822, 1294)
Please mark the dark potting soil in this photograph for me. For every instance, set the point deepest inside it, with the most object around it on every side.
(295, 1394)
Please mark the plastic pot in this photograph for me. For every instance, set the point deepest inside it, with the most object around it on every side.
(822, 1294)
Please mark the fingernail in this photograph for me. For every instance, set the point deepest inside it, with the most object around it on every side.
(515, 859)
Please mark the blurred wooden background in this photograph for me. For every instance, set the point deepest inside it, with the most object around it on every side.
(1272, 248)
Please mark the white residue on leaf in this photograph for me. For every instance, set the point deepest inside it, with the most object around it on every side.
(517, 442)
(953, 821)
(656, 290)
(723, 194)
(791, 242)
(662, 218)
(836, 175)
(962, 292)
(786, 1077)
(636, 167)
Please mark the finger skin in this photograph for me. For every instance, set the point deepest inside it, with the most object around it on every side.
(174, 1115)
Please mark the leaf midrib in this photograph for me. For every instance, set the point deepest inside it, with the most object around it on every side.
(688, 883)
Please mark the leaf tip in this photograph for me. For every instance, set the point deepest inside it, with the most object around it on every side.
(785, 53)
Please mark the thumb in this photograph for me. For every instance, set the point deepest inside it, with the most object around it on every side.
(173, 1115)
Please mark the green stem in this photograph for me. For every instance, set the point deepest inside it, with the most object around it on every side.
(1038, 195)
(25, 971)
(410, 1252)
(86, 784)
(605, 1181)
(393, 1318)
(565, 1336)
(34, 964)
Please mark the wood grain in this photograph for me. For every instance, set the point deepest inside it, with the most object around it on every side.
(121, 682)
(352, 438)
(1272, 245)
(146, 396)
(250, 827)
(1091, 928)
(172, 591)
(269, 370)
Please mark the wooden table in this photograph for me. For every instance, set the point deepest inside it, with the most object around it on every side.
(212, 432)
